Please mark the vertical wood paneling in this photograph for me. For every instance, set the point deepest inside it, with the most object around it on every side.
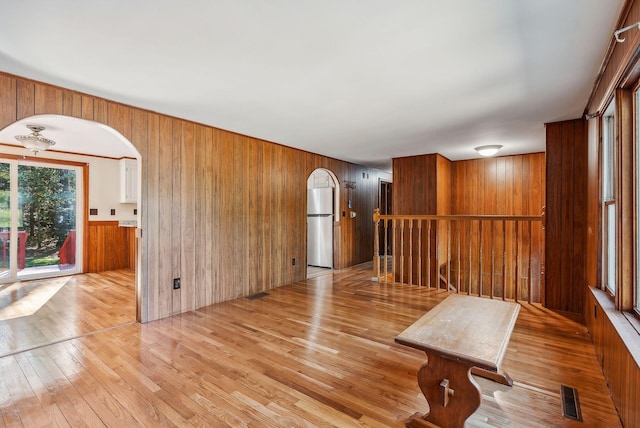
(48, 99)
(101, 110)
(108, 246)
(187, 225)
(25, 99)
(87, 107)
(166, 249)
(507, 185)
(120, 119)
(200, 211)
(140, 139)
(498, 186)
(565, 252)
(72, 104)
(579, 197)
(8, 93)
(565, 215)
(151, 233)
(224, 212)
(553, 224)
(620, 368)
(209, 218)
(176, 212)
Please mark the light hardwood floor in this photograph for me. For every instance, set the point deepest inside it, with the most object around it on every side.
(313, 353)
(39, 312)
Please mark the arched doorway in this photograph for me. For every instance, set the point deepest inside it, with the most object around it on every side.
(104, 159)
(323, 204)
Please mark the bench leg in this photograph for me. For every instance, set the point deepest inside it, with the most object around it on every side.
(453, 395)
(502, 378)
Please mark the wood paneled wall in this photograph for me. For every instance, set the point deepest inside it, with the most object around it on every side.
(421, 186)
(110, 247)
(505, 185)
(224, 212)
(566, 215)
(619, 367)
(620, 70)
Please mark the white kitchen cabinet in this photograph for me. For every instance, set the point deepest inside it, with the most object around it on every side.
(128, 181)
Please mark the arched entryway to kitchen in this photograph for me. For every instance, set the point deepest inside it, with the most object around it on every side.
(323, 206)
(68, 218)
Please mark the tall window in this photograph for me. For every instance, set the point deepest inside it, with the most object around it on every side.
(636, 209)
(40, 220)
(609, 198)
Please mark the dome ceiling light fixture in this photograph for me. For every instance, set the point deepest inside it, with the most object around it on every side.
(489, 150)
(34, 141)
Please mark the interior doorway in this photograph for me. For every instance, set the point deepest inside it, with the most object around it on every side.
(385, 196)
(41, 219)
(44, 295)
(322, 206)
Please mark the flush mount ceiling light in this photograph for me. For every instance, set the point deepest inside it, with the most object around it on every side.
(488, 150)
(34, 141)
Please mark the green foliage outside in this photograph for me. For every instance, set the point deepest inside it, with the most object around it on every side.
(46, 203)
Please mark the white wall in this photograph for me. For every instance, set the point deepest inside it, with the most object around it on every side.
(104, 183)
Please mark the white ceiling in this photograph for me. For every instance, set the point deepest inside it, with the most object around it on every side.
(359, 80)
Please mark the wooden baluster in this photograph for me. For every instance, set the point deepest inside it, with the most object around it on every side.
(459, 272)
(480, 258)
(420, 253)
(470, 266)
(429, 253)
(386, 246)
(493, 259)
(402, 251)
(436, 256)
(504, 260)
(376, 243)
(410, 277)
(529, 267)
(448, 254)
(517, 282)
(395, 258)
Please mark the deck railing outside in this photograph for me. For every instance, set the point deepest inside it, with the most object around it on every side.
(487, 256)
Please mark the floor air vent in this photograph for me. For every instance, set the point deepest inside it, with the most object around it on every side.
(257, 295)
(570, 403)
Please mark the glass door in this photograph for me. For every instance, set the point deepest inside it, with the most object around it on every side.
(40, 217)
(5, 220)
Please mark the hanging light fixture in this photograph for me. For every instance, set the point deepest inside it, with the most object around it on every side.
(489, 150)
(34, 141)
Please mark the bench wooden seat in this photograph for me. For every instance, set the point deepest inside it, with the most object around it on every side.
(462, 335)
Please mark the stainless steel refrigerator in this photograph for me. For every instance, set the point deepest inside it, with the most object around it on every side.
(320, 227)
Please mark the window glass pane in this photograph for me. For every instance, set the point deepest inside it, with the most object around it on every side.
(636, 294)
(611, 248)
(607, 157)
(609, 197)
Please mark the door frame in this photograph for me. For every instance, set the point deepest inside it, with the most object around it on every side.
(84, 192)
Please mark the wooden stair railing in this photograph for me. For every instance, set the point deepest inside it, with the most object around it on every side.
(487, 256)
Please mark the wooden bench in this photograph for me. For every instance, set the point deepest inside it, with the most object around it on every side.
(462, 335)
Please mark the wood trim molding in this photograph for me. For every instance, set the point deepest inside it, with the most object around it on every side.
(606, 61)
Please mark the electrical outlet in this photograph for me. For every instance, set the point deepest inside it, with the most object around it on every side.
(293, 261)
(176, 283)
(113, 211)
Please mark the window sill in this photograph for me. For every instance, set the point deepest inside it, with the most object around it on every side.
(626, 324)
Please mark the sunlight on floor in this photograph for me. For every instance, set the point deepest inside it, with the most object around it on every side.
(25, 298)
